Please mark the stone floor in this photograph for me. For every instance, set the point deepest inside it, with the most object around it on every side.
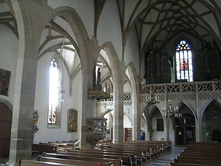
(165, 159)
(3, 160)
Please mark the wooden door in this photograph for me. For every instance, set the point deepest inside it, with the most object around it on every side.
(127, 134)
(5, 129)
(184, 130)
(179, 135)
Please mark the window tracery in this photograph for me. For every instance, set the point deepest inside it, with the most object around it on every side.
(184, 64)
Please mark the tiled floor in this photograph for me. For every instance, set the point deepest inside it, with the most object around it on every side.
(165, 159)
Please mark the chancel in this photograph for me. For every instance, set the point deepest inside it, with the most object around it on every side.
(110, 82)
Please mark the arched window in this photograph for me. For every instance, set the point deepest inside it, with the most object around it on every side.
(53, 92)
(184, 64)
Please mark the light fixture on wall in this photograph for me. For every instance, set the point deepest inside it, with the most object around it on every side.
(152, 99)
(62, 96)
(173, 111)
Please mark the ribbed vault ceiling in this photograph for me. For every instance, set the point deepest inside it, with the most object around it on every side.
(156, 21)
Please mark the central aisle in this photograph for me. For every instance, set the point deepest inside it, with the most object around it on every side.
(165, 159)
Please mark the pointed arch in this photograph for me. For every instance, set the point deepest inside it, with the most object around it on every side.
(182, 103)
(8, 103)
(211, 123)
(132, 75)
(106, 112)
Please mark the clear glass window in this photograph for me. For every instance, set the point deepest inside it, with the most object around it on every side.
(53, 92)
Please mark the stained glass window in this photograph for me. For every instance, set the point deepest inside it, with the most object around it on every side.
(53, 92)
(184, 65)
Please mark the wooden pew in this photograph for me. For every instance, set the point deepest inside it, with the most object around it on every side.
(62, 146)
(73, 162)
(114, 161)
(40, 148)
(120, 152)
(160, 146)
(200, 153)
(150, 151)
(124, 157)
(41, 163)
(197, 160)
(189, 164)
(52, 147)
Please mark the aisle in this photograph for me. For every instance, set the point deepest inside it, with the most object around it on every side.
(165, 159)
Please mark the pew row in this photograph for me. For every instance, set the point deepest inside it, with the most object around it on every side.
(97, 159)
(201, 153)
(41, 163)
(123, 157)
(74, 161)
(53, 147)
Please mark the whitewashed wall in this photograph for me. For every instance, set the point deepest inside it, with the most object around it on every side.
(8, 57)
(46, 134)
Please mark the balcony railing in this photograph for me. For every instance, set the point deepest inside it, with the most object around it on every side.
(187, 87)
(181, 88)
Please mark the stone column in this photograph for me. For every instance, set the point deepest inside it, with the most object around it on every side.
(89, 55)
(29, 29)
(136, 120)
(166, 127)
(23, 107)
(136, 112)
(118, 131)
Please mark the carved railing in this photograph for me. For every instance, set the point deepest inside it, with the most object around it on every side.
(181, 89)
(96, 127)
(184, 90)
(208, 86)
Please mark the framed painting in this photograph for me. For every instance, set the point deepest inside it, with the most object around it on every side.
(72, 120)
(160, 126)
(4, 81)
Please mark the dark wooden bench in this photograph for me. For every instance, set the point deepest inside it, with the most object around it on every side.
(144, 150)
(198, 161)
(190, 164)
(74, 162)
(124, 153)
(40, 163)
(52, 147)
(201, 154)
(150, 151)
(100, 159)
(40, 148)
(124, 157)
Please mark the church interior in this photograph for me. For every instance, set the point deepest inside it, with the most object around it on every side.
(101, 74)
